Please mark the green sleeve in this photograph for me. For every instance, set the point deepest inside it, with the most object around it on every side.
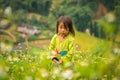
(71, 49)
(52, 43)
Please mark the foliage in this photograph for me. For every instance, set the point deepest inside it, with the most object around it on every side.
(117, 11)
(80, 16)
(81, 13)
(95, 60)
(38, 6)
(108, 25)
(36, 64)
(19, 17)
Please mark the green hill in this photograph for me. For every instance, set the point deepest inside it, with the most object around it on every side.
(92, 45)
(85, 41)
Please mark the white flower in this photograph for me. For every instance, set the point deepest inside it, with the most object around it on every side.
(84, 64)
(28, 78)
(6, 47)
(54, 53)
(68, 64)
(16, 59)
(110, 17)
(116, 51)
(67, 74)
(44, 73)
(56, 70)
(9, 58)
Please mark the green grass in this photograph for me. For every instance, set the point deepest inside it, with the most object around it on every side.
(94, 60)
(85, 41)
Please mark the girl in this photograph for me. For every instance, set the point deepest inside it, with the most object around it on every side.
(63, 41)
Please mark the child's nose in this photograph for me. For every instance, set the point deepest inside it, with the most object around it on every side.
(63, 29)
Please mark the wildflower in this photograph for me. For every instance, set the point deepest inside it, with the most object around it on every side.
(28, 78)
(9, 58)
(54, 53)
(44, 73)
(16, 59)
(67, 74)
(56, 70)
(116, 51)
(68, 64)
(110, 17)
(6, 46)
(84, 64)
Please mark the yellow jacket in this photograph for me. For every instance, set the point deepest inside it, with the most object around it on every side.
(66, 45)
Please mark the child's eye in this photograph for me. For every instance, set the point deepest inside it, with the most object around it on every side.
(62, 27)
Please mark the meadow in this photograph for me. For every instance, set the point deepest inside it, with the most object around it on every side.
(94, 59)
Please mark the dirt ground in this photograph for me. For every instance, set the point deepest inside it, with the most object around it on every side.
(40, 43)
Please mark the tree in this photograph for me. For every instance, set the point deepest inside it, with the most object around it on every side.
(81, 15)
(39, 6)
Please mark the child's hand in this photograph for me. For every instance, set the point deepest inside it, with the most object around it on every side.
(60, 61)
(56, 60)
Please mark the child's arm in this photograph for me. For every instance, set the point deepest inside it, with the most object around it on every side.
(71, 49)
(52, 43)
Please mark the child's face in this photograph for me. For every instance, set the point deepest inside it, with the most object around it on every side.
(62, 30)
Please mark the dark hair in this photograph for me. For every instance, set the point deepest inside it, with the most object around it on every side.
(67, 23)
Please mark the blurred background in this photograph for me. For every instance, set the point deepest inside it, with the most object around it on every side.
(34, 21)
(27, 26)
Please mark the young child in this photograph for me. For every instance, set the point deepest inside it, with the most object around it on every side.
(62, 42)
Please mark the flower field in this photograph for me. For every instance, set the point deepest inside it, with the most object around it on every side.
(93, 59)
(36, 64)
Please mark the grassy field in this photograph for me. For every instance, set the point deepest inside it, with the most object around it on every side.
(94, 59)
